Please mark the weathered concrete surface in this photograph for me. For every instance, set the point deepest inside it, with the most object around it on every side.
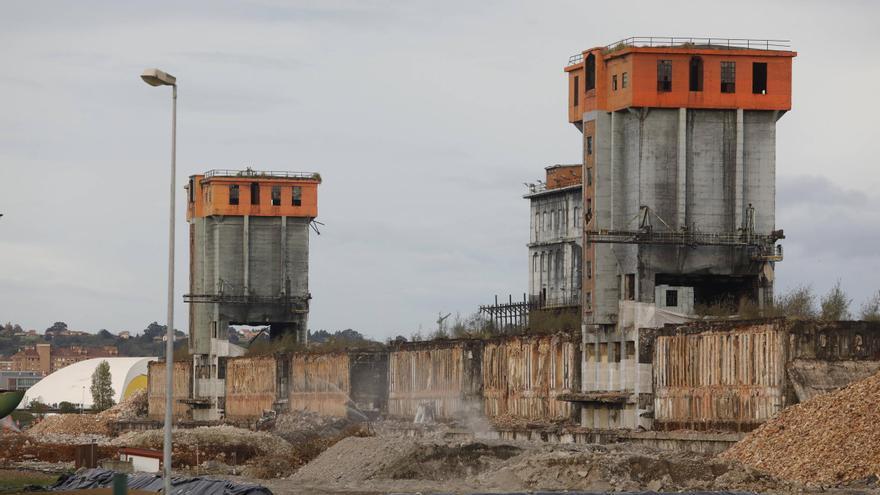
(736, 375)
(320, 383)
(250, 386)
(719, 379)
(443, 373)
(522, 376)
(811, 378)
(182, 389)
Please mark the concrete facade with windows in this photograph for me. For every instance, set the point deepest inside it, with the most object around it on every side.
(555, 240)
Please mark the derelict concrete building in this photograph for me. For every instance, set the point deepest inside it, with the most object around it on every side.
(679, 140)
(555, 247)
(249, 265)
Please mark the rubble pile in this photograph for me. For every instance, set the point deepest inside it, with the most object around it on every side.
(301, 425)
(63, 427)
(71, 424)
(224, 443)
(382, 464)
(830, 439)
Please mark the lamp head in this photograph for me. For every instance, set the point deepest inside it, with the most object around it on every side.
(155, 77)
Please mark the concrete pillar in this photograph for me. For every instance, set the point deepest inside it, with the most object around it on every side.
(682, 168)
(246, 252)
(739, 177)
(216, 281)
(284, 255)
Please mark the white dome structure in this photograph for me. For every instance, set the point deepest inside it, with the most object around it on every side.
(73, 383)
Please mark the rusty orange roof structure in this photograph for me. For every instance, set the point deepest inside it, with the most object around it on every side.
(664, 72)
(253, 193)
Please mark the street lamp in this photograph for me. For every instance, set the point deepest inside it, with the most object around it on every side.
(155, 77)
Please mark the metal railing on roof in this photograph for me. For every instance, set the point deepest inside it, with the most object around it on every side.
(260, 173)
(695, 42)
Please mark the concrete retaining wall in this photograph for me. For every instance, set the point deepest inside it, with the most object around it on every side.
(522, 376)
(735, 375)
(443, 373)
(250, 386)
(156, 390)
(320, 383)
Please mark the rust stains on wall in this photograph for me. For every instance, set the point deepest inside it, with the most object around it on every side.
(736, 375)
(182, 389)
(443, 373)
(320, 383)
(731, 379)
(250, 386)
(523, 375)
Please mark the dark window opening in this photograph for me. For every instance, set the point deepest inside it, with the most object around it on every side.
(614, 82)
(297, 195)
(623, 80)
(191, 191)
(664, 76)
(276, 195)
(589, 145)
(696, 74)
(589, 176)
(577, 90)
(629, 287)
(255, 193)
(671, 298)
(221, 367)
(233, 194)
(724, 291)
(759, 78)
(590, 72)
(728, 77)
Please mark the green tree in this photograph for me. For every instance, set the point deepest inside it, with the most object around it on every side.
(67, 407)
(102, 387)
(871, 309)
(835, 304)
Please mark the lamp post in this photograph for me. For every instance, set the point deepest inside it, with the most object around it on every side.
(155, 77)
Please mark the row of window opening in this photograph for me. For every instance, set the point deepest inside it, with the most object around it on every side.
(275, 197)
(695, 76)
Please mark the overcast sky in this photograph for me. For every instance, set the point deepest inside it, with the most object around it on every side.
(423, 118)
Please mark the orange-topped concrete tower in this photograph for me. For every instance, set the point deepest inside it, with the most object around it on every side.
(249, 265)
(679, 150)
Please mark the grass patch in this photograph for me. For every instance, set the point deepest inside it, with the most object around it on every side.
(14, 481)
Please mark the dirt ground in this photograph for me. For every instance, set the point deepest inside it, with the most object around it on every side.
(309, 454)
(395, 464)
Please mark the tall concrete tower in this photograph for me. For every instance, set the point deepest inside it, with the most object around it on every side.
(679, 149)
(249, 265)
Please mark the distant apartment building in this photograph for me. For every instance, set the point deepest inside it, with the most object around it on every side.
(18, 380)
(5, 363)
(42, 358)
(555, 242)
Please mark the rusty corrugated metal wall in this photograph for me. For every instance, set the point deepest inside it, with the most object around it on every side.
(320, 383)
(156, 390)
(732, 379)
(446, 373)
(523, 375)
(250, 386)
